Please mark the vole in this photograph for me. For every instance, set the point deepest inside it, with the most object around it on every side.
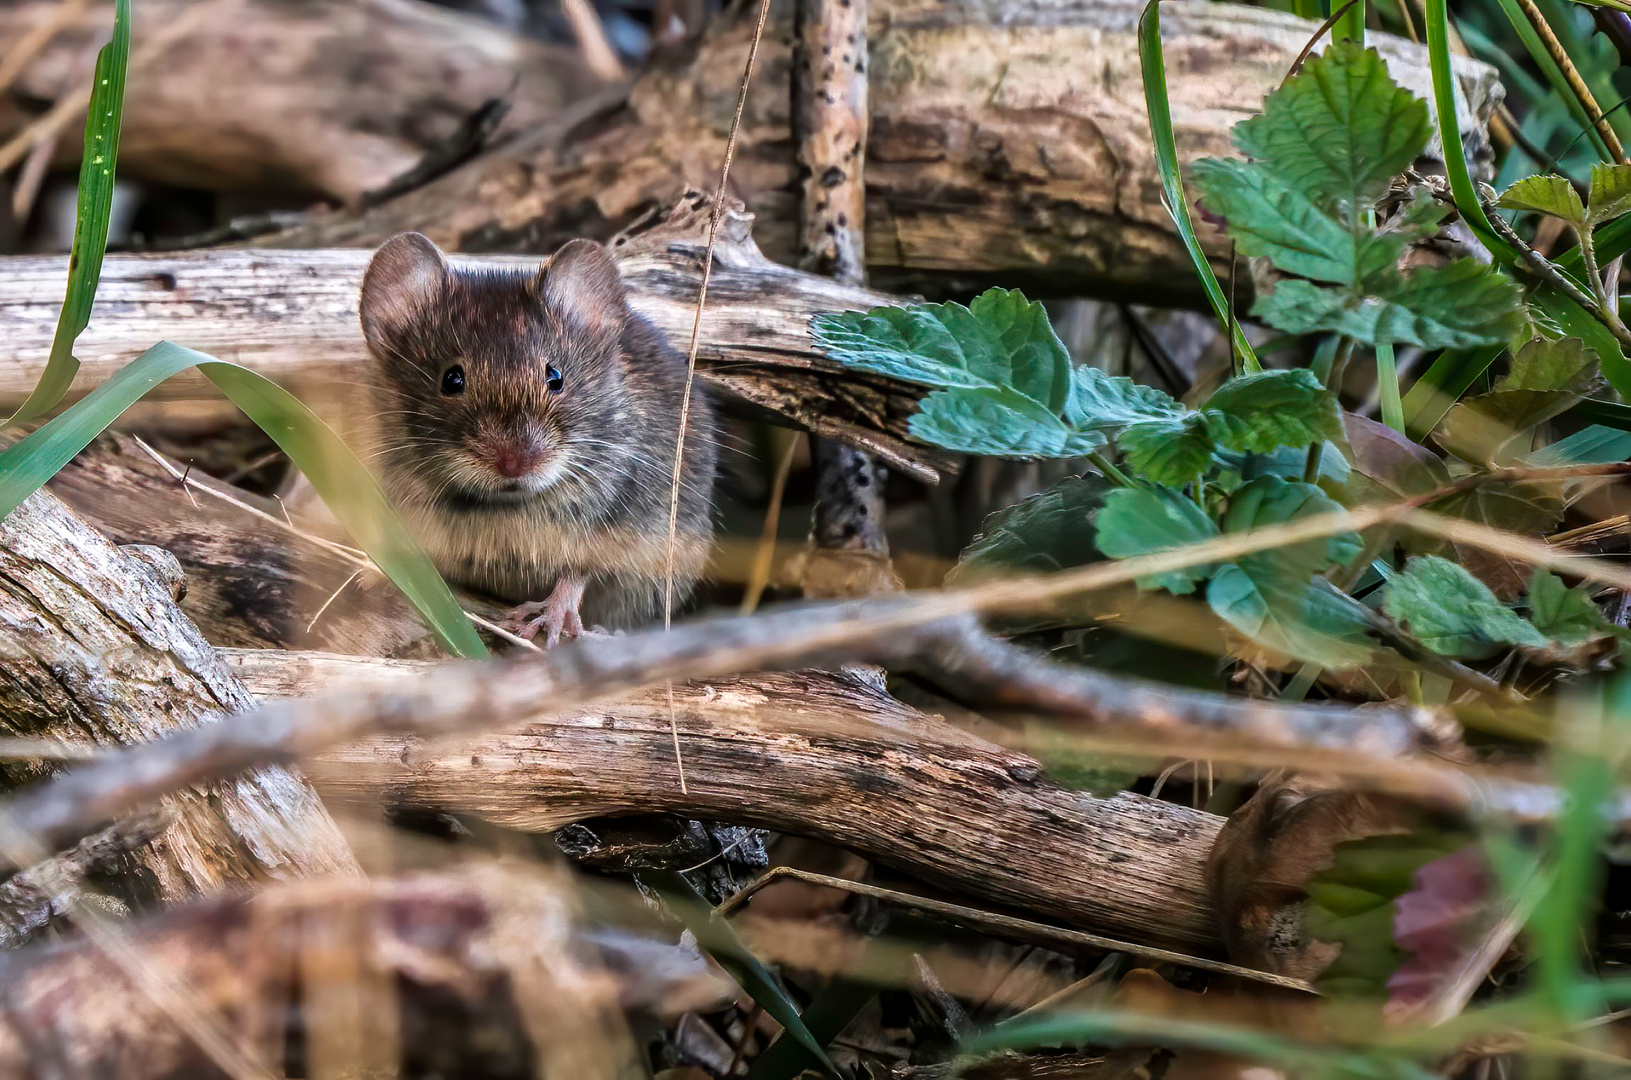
(526, 424)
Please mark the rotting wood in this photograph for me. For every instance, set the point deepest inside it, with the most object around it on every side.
(1009, 144)
(330, 100)
(475, 972)
(97, 653)
(292, 316)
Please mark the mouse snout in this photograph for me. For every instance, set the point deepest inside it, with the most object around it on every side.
(514, 458)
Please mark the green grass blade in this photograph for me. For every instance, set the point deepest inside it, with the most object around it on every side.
(832, 1010)
(102, 123)
(345, 484)
(718, 937)
(1387, 387)
(1449, 131)
(1166, 155)
(1441, 385)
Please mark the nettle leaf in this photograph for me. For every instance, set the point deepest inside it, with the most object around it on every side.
(1000, 340)
(1140, 521)
(1000, 422)
(1270, 220)
(1453, 613)
(1171, 451)
(1455, 306)
(1548, 194)
(1610, 195)
(1050, 531)
(1260, 412)
(1340, 129)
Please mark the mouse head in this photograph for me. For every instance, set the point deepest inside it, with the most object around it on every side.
(496, 385)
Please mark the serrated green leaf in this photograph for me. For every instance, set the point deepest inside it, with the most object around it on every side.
(1610, 195)
(1552, 195)
(344, 483)
(1170, 451)
(1270, 409)
(95, 207)
(1105, 402)
(1339, 130)
(1001, 340)
(1544, 364)
(1568, 617)
(1453, 613)
(1546, 378)
(1458, 305)
(1048, 532)
(1269, 219)
(997, 421)
(1139, 521)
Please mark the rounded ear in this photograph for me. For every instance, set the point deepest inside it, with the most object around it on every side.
(406, 275)
(582, 285)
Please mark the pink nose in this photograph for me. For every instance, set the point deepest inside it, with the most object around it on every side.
(515, 460)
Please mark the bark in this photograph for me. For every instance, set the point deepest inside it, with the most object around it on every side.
(480, 973)
(333, 100)
(810, 753)
(1009, 144)
(292, 316)
(97, 654)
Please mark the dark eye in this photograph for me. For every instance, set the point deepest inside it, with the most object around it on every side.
(453, 380)
(552, 379)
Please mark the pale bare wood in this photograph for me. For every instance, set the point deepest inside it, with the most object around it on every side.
(331, 99)
(1009, 143)
(96, 653)
(292, 316)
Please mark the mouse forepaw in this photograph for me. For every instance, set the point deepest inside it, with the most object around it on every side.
(557, 618)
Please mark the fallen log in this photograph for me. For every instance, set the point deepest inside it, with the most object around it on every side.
(811, 753)
(97, 655)
(292, 316)
(258, 95)
(1009, 144)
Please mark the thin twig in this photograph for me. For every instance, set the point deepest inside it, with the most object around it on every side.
(1571, 75)
(691, 355)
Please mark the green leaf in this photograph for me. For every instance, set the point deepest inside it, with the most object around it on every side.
(343, 482)
(1261, 412)
(1001, 340)
(1139, 521)
(1545, 379)
(1610, 193)
(1543, 364)
(1104, 402)
(1458, 305)
(1453, 613)
(1269, 219)
(1595, 445)
(1170, 451)
(1552, 195)
(101, 151)
(1048, 532)
(1568, 617)
(1152, 64)
(998, 421)
(1339, 130)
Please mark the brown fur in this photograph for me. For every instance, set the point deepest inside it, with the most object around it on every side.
(601, 449)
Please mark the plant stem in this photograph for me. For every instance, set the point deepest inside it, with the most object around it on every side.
(1387, 387)
(1571, 75)
(1111, 473)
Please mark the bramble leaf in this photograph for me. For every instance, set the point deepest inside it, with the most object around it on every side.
(1050, 531)
(1548, 194)
(999, 421)
(1171, 451)
(1139, 521)
(1610, 195)
(1260, 412)
(1458, 305)
(1268, 219)
(1339, 130)
(1453, 613)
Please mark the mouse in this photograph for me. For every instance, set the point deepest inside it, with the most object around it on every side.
(524, 425)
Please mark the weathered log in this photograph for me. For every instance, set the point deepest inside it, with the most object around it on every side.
(482, 973)
(333, 100)
(97, 654)
(292, 316)
(1009, 143)
(811, 753)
